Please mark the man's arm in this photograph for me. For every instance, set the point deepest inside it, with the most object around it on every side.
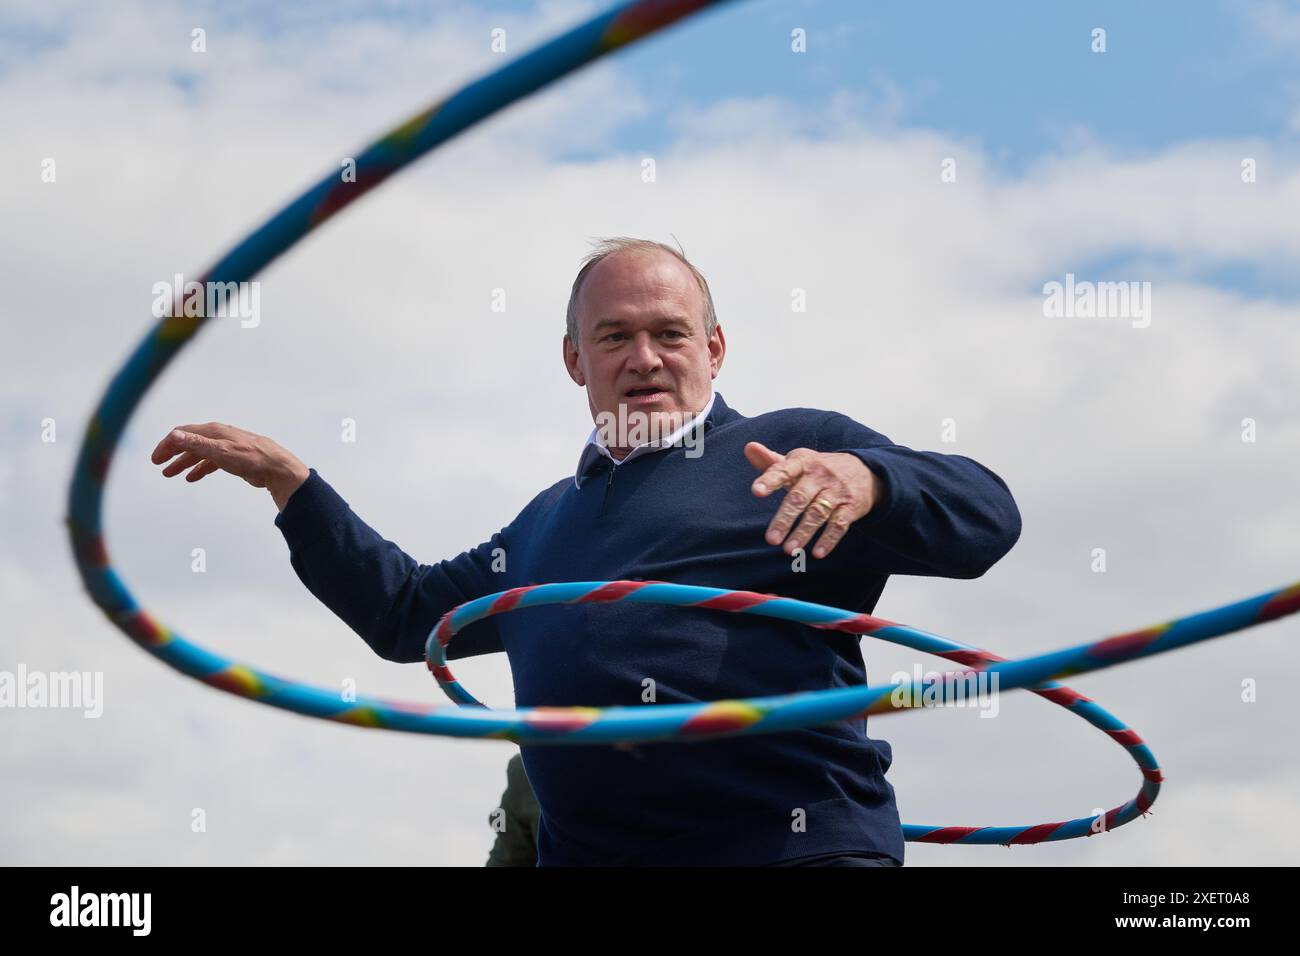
(371, 584)
(376, 588)
(937, 514)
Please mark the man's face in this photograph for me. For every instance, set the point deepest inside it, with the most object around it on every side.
(641, 326)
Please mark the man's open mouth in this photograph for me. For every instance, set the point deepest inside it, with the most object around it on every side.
(645, 391)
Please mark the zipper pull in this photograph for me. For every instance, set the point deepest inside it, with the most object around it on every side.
(605, 496)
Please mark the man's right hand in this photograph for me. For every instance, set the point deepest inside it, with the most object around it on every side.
(216, 447)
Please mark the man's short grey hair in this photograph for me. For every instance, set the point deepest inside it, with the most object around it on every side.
(607, 247)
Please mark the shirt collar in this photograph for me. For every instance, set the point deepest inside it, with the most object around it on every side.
(594, 449)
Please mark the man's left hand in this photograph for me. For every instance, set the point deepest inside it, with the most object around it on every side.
(833, 489)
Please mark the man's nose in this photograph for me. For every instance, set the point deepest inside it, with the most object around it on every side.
(645, 355)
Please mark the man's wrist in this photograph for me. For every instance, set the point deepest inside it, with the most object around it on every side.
(282, 489)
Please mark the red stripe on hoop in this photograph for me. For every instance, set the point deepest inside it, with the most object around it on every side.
(90, 547)
(445, 633)
(342, 193)
(509, 600)
(1036, 834)
(1282, 603)
(1124, 644)
(1063, 696)
(706, 724)
(99, 462)
(858, 624)
(645, 17)
(1128, 738)
(145, 629)
(971, 657)
(736, 601)
(613, 591)
(1155, 776)
(443, 673)
(948, 834)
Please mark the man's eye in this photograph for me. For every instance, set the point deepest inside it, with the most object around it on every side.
(613, 335)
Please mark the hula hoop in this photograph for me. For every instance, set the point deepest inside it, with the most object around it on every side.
(758, 715)
(603, 34)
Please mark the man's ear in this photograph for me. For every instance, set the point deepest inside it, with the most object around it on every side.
(571, 361)
(717, 350)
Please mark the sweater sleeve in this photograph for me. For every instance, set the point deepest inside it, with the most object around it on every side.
(939, 515)
(374, 587)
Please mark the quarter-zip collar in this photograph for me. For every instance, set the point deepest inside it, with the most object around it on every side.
(594, 449)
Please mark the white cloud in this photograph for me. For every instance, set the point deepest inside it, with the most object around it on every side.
(1274, 22)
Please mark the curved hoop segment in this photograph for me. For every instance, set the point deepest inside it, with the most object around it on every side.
(758, 715)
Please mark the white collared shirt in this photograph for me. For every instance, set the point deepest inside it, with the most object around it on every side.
(595, 446)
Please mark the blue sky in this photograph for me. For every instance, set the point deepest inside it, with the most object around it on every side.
(1014, 76)
(1018, 79)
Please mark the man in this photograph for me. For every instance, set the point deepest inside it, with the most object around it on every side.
(697, 505)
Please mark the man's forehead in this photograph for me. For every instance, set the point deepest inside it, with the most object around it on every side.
(635, 267)
(648, 321)
(638, 289)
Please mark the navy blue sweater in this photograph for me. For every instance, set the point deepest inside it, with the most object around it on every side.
(689, 520)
